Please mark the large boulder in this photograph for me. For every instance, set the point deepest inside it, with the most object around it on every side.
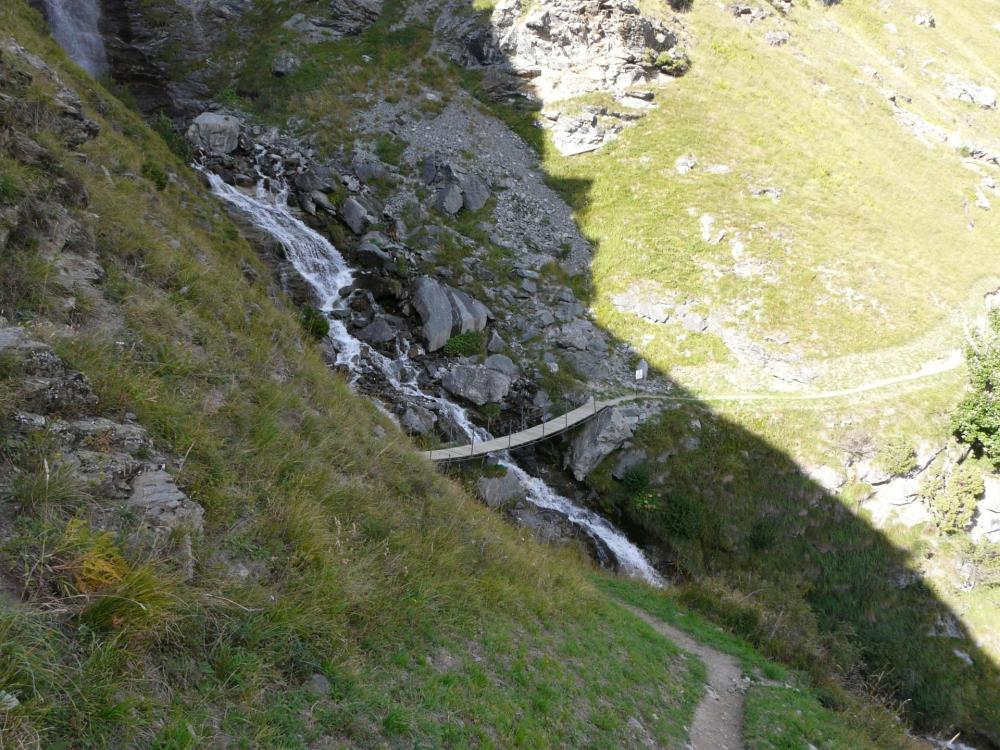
(214, 133)
(417, 420)
(478, 384)
(599, 438)
(445, 312)
(456, 188)
(499, 491)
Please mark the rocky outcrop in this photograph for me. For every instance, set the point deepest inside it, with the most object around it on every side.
(973, 93)
(445, 312)
(214, 133)
(342, 18)
(456, 188)
(114, 464)
(477, 384)
(599, 438)
(568, 48)
(497, 492)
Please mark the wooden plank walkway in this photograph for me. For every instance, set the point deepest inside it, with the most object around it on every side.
(531, 435)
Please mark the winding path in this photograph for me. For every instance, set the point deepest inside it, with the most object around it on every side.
(594, 407)
(718, 719)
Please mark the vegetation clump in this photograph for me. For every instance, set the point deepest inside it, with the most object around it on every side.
(977, 419)
(465, 344)
(314, 323)
(897, 457)
(956, 506)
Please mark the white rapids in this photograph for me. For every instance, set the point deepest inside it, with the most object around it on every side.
(325, 269)
(75, 25)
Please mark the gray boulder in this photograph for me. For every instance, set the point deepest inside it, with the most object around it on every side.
(377, 332)
(417, 420)
(504, 364)
(499, 491)
(476, 384)
(284, 64)
(599, 438)
(986, 524)
(163, 506)
(457, 188)
(578, 135)
(215, 133)
(354, 215)
(445, 312)
(449, 199)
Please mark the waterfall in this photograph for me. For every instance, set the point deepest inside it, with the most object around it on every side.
(325, 269)
(74, 24)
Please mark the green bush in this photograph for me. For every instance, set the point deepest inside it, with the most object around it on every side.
(683, 517)
(314, 322)
(155, 174)
(976, 421)
(465, 344)
(897, 457)
(956, 506)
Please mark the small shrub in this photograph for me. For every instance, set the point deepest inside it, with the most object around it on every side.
(465, 344)
(897, 457)
(10, 189)
(47, 487)
(636, 479)
(976, 421)
(683, 517)
(389, 149)
(956, 506)
(314, 322)
(671, 64)
(155, 174)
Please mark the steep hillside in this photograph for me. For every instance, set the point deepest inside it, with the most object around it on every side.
(782, 207)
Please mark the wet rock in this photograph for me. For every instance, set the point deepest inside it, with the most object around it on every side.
(378, 331)
(215, 134)
(416, 420)
(477, 384)
(599, 438)
(499, 491)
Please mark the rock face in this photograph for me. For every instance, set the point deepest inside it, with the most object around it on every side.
(598, 439)
(571, 48)
(966, 91)
(446, 312)
(344, 18)
(456, 188)
(987, 521)
(499, 491)
(477, 384)
(215, 134)
(110, 461)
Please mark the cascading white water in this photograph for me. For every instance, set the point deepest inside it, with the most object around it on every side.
(74, 24)
(322, 265)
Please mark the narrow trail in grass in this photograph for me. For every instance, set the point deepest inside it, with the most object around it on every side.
(930, 370)
(718, 720)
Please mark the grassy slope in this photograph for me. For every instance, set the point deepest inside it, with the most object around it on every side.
(866, 209)
(785, 708)
(851, 216)
(434, 622)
